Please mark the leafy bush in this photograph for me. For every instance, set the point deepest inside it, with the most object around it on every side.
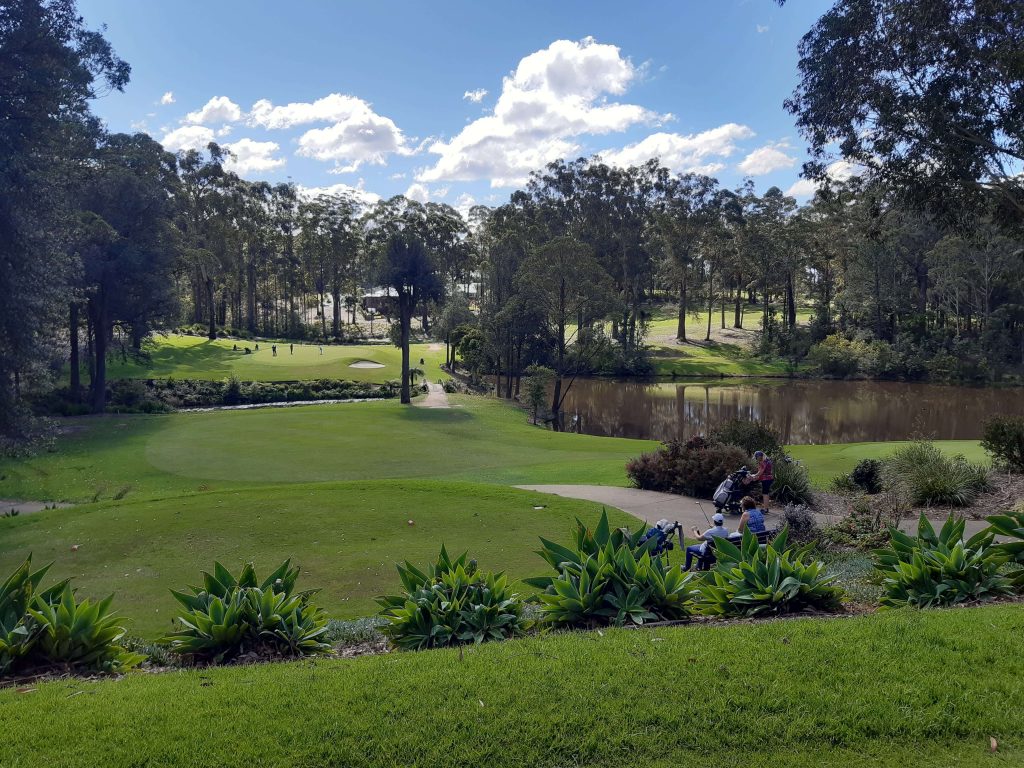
(801, 523)
(864, 528)
(610, 577)
(227, 617)
(925, 475)
(232, 391)
(1011, 525)
(679, 468)
(751, 580)
(83, 635)
(43, 628)
(792, 483)
(1003, 438)
(749, 435)
(941, 569)
(18, 594)
(450, 604)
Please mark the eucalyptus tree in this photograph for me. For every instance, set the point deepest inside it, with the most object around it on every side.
(928, 95)
(52, 65)
(129, 244)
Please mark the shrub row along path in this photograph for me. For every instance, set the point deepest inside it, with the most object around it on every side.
(652, 506)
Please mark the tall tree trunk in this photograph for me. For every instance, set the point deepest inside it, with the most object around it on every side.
(681, 322)
(737, 321)
(336, 320)
(711, 304)
(76, 371)
(98, 311)
(405, 308)
(790, 301)
(211, 300)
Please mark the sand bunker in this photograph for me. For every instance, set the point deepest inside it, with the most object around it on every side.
(366, 364)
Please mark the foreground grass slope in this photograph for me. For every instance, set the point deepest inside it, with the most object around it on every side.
(480, 439)
(196, 357)
(347, 538)
(897, 689)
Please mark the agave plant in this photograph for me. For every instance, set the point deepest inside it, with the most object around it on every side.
(610, 577)
(18, 630)
(1011, 525)
(227, 616)
(937, 569)
(82, 634)
(753, 580)
(450, 603)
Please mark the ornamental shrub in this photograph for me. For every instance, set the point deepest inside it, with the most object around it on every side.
(609, 576)
(1003, 439)
(924, 475)
(940, 569)
(679, 468)
(450, 603)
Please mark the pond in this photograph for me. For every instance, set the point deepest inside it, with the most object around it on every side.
(804, 412)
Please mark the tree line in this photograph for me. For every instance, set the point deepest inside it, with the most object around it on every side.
(915, 255)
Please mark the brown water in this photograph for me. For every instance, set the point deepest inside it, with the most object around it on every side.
(802, 411)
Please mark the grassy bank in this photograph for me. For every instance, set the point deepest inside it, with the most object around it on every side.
(897, 689)
(346, 536)
(826, 461)
(196, 357)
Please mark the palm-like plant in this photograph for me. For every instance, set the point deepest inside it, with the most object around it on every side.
(1011, 525)
(18, 630)
(609, 576)
(936, 569)
(450, 603)
(228, 616)
(753, 580)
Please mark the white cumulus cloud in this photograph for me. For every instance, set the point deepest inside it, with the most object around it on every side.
(554, 96)
(476, 96)
(692, 153)
(418, 192)
(219, 109)
(167, 98)
(840, 170)
(357, 134)
(253, 156)
(762, 28)
(771, 157)
(187, 137)
(358, 192)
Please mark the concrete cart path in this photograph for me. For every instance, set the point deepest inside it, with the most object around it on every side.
(436, 397)
(652, 506)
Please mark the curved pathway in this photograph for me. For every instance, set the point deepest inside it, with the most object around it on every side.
(652, 506)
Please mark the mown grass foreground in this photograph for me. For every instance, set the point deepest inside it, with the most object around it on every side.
(890, 689)
(346, 537)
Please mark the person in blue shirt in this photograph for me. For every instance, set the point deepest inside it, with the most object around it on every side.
(752, 518)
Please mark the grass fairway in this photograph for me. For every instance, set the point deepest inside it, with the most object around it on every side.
(826, 461)
(481, 440)
(346, 536)
(710, 358)
(195, 357)
(891, 689)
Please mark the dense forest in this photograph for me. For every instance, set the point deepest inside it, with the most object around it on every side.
(909, 255)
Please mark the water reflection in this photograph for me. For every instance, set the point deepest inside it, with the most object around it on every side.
(802, 411)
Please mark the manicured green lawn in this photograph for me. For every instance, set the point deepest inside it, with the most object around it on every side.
(826, 461)
(481, 439)
(195, 357)
(346, 536)
(709, 358)
(898, 689)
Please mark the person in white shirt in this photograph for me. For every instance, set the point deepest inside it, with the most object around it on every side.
(717, 531)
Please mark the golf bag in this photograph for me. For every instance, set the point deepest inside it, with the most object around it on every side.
(729, 493)
(662, 533)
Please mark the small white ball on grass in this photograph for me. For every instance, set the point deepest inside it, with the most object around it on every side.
(74, 547)
(411, 522)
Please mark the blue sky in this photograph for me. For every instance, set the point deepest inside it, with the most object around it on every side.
(457, 101)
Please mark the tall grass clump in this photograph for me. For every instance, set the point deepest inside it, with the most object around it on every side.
(925, 475)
